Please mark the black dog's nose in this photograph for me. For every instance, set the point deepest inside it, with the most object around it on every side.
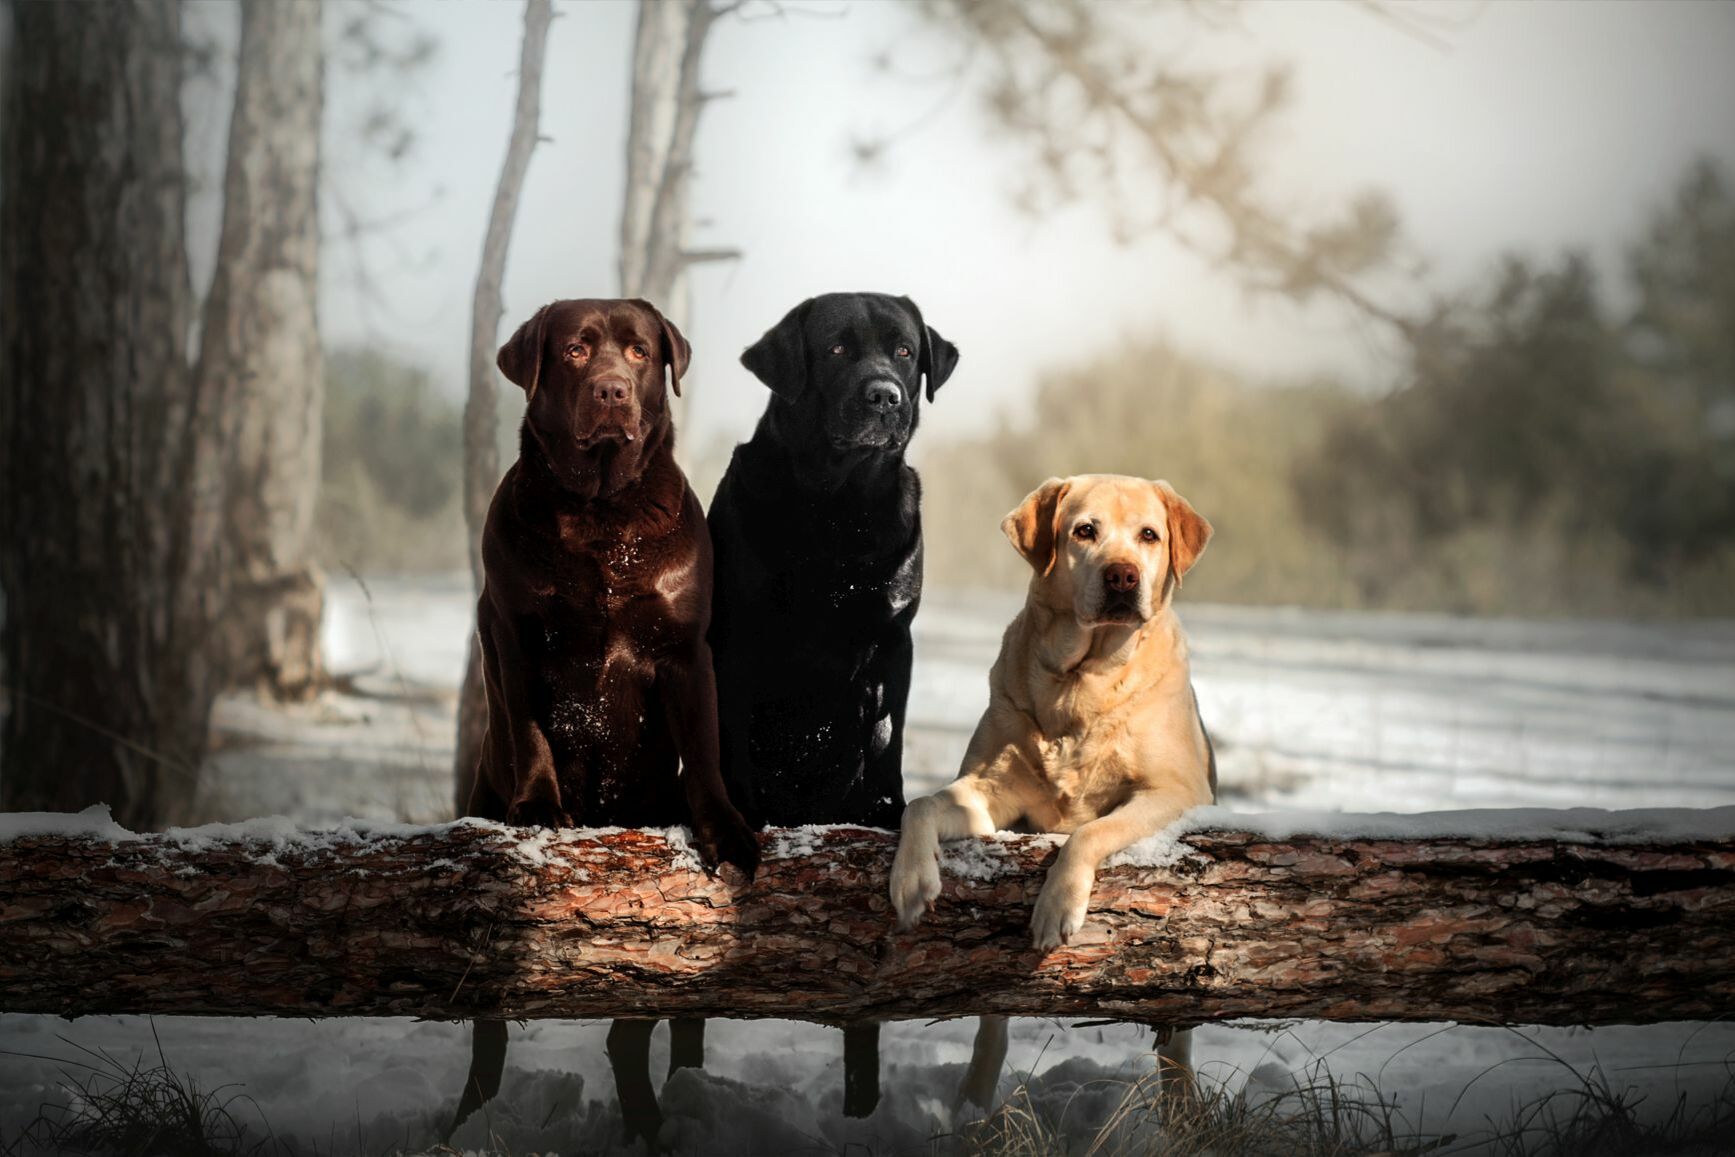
(1121, 576)
(884, 395)
(612, 393)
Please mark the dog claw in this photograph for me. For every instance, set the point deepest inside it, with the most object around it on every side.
(914, 888)
(737, 847)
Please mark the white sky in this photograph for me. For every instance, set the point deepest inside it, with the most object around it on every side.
(1543, 125)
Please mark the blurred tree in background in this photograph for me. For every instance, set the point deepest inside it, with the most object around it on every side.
(157, 504)
(1547, 453)
(1106, 102)
(107, 590)
(159, 499)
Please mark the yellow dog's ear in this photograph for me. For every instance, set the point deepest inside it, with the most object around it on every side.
(1031, 527)
(1188, 534)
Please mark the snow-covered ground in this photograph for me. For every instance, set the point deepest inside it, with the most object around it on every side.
(1329, 711)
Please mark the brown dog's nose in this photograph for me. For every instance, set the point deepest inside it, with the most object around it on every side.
(1121, 576)
(612, 392)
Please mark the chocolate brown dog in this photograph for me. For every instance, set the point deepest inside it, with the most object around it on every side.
(602, 702)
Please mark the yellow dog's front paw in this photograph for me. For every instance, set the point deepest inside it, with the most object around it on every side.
(1060, 909)
(915, 883)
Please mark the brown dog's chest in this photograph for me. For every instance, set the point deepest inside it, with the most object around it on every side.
(615, 607)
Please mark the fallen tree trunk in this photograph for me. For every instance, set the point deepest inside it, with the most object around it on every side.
(472, 918)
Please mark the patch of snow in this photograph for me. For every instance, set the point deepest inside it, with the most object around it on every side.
(95, 821)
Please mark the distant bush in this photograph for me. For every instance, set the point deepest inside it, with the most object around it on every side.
(1545, 456)
(390, 483)
(1152, 411)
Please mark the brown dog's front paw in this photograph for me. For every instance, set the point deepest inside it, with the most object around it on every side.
(728, 840)
(535, 814)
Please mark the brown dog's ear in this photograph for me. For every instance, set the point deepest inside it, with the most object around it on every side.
(1031, 527)
(779, 359)
(520, 359)
(677, 354)
(939, 357)
(1188, 534)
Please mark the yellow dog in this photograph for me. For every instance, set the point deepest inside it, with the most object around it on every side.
(1092, 728)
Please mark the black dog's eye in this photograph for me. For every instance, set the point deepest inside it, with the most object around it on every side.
(837, 351)
(903, 351)
(578, 350)
(1148, 534)
(638, 352)
(1084, 532)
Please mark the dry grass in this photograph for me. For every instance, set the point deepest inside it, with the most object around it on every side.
(113, 1109)
(1321, 1116)
(1325, 1115)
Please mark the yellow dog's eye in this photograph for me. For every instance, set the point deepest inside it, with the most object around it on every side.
(1084, 532)
(1148, 534)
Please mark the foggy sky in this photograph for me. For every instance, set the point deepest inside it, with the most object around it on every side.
(1541, 125)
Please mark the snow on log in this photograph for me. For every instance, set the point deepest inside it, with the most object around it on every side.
(1516, 917)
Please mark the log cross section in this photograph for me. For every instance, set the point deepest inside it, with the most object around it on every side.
(472, 918)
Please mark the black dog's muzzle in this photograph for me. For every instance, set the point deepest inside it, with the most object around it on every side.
(882, 395)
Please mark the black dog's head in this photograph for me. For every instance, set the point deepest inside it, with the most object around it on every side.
(850, 366)
(592, 371)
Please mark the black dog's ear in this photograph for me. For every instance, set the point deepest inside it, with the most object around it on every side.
(677, 353)
(779, 359)
(939, 357)
(520, 359)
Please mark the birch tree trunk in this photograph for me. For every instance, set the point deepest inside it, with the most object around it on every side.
(104, 517)
(663, 120)
(260, 359)
(481, 457)
(476, 919)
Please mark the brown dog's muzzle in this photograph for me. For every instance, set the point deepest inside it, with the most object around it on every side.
(610, 411)
(612, 392)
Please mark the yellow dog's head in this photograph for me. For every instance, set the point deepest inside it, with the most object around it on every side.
(1108, 547)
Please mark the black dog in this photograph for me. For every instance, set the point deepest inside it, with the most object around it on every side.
(818, 537)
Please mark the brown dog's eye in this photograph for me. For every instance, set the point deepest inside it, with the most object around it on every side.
(1084, 532)
(638, 353)
(837, 351)
(578, 351)
(903, 351)
(1148, 534)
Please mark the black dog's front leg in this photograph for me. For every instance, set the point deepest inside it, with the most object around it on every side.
(877, 799)
(629, 1055)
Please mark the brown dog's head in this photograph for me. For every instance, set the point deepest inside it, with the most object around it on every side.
(592, 372)
(1109, 547)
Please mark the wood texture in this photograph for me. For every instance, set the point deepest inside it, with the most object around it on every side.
(108, 680)
(475, 919)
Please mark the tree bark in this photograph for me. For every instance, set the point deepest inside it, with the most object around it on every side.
(260, 360)
(108, 682)
(663, 120)
(473, 919)
(481, 456)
